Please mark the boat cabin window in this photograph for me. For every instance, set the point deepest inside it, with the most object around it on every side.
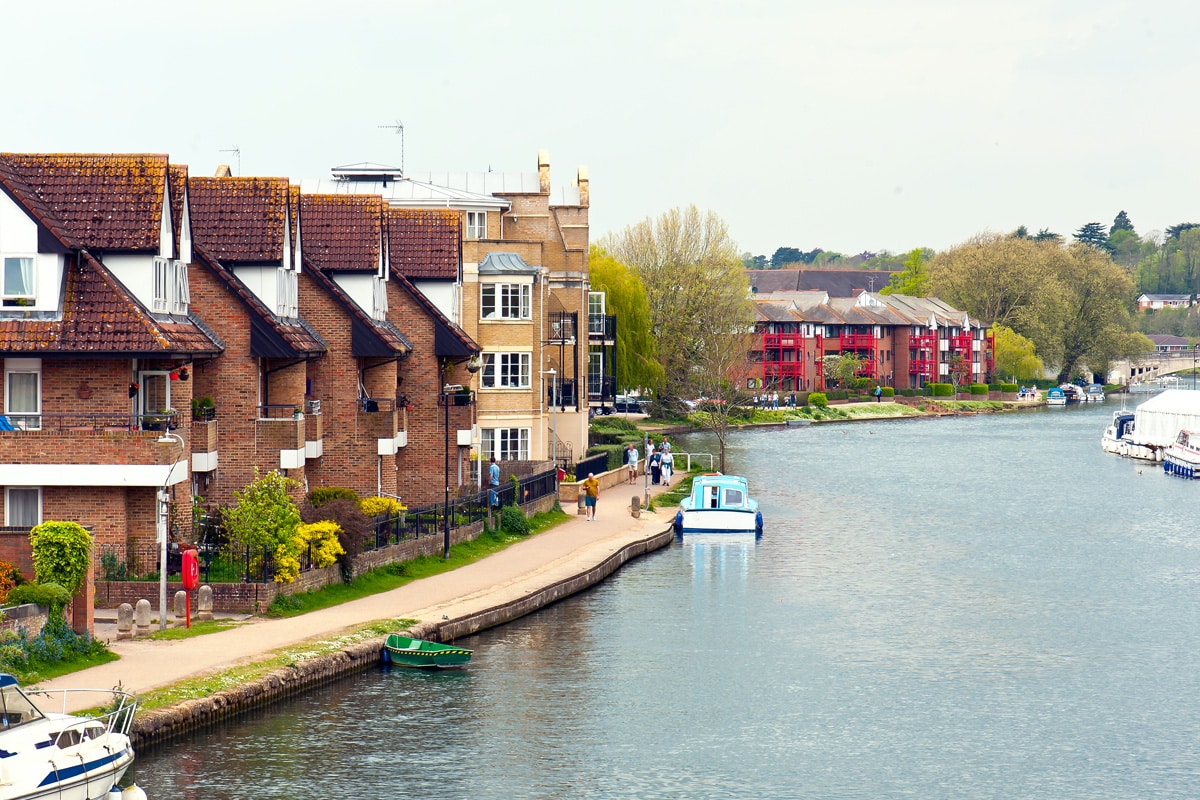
(16, 708)
(712, 496)
(733, 497)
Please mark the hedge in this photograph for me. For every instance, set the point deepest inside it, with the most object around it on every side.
(978, 388)
(838, 394)
(1008, 387)
(888, 391)
(941, 389)
(818, 399)
(616, 453)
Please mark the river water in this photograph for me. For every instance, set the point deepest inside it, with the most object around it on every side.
(970, 607)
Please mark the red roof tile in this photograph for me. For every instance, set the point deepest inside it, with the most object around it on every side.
(105, 201)
(425, 243)
(341, 231)
(100, 317)
(239, 220)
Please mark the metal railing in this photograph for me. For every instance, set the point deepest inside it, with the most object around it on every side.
(157, 421)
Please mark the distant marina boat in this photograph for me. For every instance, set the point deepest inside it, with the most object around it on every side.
(1055, 397)
(1094, 393)
(719, 504)
(1155, 425)
(1182, 456)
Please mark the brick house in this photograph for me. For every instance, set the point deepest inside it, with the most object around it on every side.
(246, 289)
(903, 342)
(97, 334)
(521, 291)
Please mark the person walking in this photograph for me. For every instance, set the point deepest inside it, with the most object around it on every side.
(668, 465)
(878, 394)
(591, 491)
(655, 462)
(494, 483)
(631, 459)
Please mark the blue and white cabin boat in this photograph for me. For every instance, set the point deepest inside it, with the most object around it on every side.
(719, 504)
(1055, 397)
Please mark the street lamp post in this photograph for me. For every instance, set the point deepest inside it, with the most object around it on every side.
(163, 510)
(450, 393)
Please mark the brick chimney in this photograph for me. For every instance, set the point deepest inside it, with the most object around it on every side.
(584, 189)
(544, 171)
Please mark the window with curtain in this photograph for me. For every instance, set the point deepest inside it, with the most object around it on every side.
(506, 370)
(18, 281)
(23, 393)
(476, 224)
(22, 507)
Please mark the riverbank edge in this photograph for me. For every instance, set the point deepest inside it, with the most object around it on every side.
(171, 723)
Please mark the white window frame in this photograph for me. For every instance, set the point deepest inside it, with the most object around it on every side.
(9, 521)
(379, 309)
(286, 298)
(183, 295)
(476, 225)
(23, 419)
(507, 371)
(14, 260)
(505, 301)
(162, 284)
(507, 444)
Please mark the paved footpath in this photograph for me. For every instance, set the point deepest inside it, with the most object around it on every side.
(539, 561)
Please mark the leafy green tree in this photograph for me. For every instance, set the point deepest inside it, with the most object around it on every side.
(1021, 232)
(996, 278)
(1174, 231)
(1016, 356)
(264, 516)
(1093, 234)
(1126, 247)
(695, 285)
(913, 280)
(1046, 235)
(755, 262)
(625, 295)
(1121, 223)
(784, 256)
(61, 554)
(840, 370)
(720, 370)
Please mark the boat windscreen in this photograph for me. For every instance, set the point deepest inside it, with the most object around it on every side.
(16, 708)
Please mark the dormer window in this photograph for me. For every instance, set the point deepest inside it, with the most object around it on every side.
(476, 224)
(287, 302)
(380, 309)
(183, 295)
(162, 283)
(19, 287)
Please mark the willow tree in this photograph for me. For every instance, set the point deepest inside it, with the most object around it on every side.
(697, 290)
(637, 364)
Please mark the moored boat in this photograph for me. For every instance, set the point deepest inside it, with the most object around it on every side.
(1182, 456)
(1094, 393)
(1055, 397)
(719, 504)
(406, 651)
(53, 754)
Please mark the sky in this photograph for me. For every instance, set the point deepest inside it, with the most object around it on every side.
(862, 125)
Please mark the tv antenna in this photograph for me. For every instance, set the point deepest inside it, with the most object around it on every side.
(398, 127)
(237, 152)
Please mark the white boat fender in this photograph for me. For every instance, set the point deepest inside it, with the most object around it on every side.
(133, 792)
(114, 793)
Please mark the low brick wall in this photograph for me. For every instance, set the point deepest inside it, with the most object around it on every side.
(29, 616)
(176, 722)
(568, 493)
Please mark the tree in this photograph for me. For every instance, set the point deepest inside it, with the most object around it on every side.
(1046, 235)
(264, 517)
(625, 296)
(1016, 356)
(1174, 231)
(721, 369)
(750, 261)
(996, 278)
(1121, 223)
(1093, 234)
(697, 291)
(784, 256)
(840, 370)
(913, 280)
(1021, 232)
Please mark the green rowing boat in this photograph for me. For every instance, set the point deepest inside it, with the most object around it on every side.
(408, 652)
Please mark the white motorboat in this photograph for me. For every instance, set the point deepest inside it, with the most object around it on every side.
(53, 754)
(719, 504)
(1055, 397)
(1155, 425)
(1182, 456)
(1094, 393)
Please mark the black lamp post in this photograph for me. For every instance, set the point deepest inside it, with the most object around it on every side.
(452, 394)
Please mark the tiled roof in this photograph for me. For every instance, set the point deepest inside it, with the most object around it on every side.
(450, 332)
(239, 220)
(104, 201)
(342, 231)
(425, 244)
(385, 333)
(837, 282)
(15, 185)
(294, 336)
(101, 317)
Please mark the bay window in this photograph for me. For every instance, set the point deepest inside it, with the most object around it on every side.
(506, 300)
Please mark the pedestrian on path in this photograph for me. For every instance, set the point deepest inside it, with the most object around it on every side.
(668, 465)
(591, 491)
(878, 394)
(494, 483)
(631, 459)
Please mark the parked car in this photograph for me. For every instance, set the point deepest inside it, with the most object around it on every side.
(629, 405)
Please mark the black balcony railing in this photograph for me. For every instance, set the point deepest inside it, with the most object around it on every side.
(563, 326)
(280, 411)
(566, 394)
(602, 326)
(602, 390)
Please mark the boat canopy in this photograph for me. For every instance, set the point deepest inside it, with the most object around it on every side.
(1159, 420)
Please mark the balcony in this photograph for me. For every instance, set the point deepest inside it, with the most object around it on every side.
(602, 390)
(566, 394)
(857, 341)
(281, 427)
(97, 421)
(602, 328)
(563, 327)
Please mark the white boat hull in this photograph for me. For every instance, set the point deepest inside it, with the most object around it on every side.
(707, 520)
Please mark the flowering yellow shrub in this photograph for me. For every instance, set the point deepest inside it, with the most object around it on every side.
(323, 537)
(374, 506)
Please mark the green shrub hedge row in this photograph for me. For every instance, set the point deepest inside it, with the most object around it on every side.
(978, 389)
(1008, 387)
(941, 389)
(818, 399)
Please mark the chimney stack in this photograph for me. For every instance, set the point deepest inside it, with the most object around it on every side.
(544, 171)
(584, 189)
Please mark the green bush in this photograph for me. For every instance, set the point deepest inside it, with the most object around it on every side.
(1009, 387)
(615, 452)
(978, 389)
(322, 495)
(48, 595)
(909, 392)
(818, 399)
(513, 520)
(838, 394)
(941, 389)
(888, 391)
(61, 553)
